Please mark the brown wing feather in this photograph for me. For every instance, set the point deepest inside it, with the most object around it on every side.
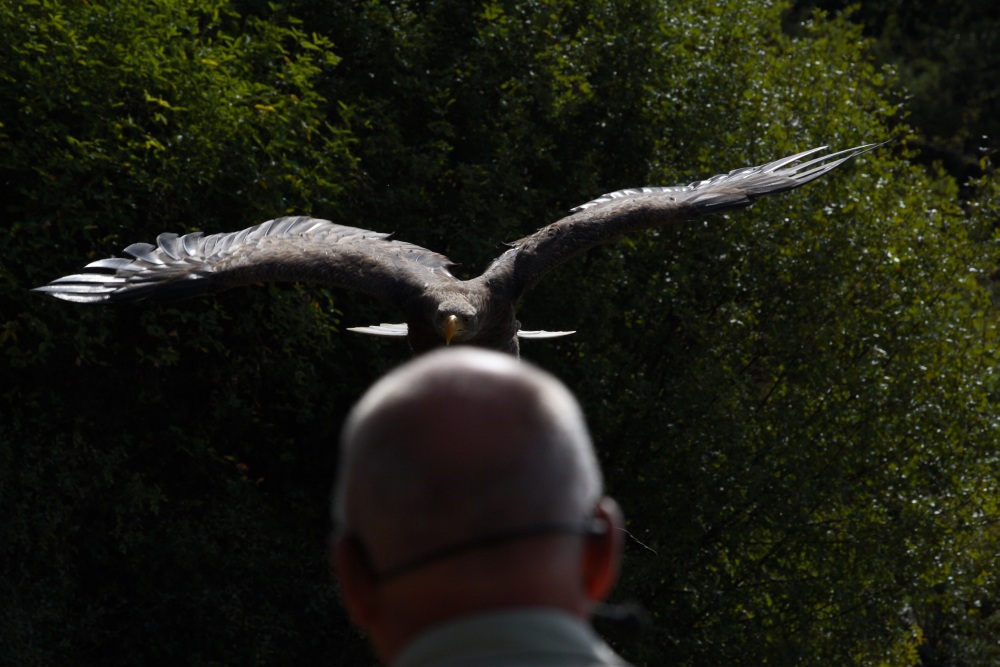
(608, 217)
(285, 249)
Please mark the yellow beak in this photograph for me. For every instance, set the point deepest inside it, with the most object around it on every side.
(450, 328)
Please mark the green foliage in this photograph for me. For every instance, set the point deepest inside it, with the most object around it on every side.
(796, 404)
(946, 56)
(142, 450)
(480, 116)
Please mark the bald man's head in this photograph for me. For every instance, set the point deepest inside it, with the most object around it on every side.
(459, 444)
(468, 484)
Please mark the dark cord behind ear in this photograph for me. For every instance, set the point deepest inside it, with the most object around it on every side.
(593, 527)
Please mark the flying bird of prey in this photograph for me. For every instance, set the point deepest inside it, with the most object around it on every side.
(438, 308)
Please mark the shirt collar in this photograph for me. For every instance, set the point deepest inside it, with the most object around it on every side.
(501, 638)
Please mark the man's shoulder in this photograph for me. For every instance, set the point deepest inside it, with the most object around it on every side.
(522, 637)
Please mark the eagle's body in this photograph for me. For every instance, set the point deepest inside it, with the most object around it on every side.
(437, 307)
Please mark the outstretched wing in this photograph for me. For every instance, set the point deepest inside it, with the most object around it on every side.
(616, 213)
(286, 249)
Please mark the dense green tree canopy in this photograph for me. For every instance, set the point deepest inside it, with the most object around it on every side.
(795, 404)
(947, 56)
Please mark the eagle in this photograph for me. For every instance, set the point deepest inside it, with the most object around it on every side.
(438, 308)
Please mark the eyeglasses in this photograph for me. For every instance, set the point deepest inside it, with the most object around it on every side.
(594, 527)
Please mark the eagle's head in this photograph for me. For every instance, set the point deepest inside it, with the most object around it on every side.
(456, 320)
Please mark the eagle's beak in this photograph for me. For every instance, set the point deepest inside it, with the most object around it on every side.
(450, 328)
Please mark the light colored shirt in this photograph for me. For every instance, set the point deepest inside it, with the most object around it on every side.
(521, 638)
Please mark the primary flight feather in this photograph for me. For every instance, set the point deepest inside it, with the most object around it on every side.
(438, 308)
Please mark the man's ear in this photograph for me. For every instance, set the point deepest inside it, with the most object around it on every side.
(602, 553)
(353, 571)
